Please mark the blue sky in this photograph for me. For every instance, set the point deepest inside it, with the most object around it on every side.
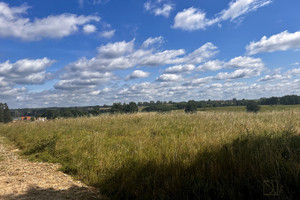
(95, 52)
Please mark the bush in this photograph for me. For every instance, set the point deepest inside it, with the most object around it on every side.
(191, 107)
(252, 106)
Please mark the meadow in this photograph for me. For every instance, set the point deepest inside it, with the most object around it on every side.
(207, 155)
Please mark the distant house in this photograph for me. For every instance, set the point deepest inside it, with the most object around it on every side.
(26, 118)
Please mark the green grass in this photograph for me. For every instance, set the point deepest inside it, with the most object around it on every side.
(209, 155)
(264, 108)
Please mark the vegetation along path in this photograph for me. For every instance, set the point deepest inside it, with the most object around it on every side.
(22, 179)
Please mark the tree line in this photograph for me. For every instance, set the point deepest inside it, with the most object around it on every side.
(5, 116)
(285, 100)
(152, 106)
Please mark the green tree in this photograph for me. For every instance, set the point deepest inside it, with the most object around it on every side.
(51, 114)
(6, 114)
(67, 114)
(191, 107)
(133, 107)
(252, 106)
(1, 113)
(116, 108)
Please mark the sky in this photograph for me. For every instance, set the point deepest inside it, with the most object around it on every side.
(94, 52)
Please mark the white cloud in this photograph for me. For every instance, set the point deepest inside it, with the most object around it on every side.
(194, 19)
(164, 11)
(246, 67)
(237, 74)
(124, 55)
(240, 7)
(245, 62)
(83, 79)
(157, 8)
(89, 28)
(117, 49)
(107, 34)
(151, 41)
(161, 58)
(54, 26)
(26, 71)
(201, 54)
(294, 72)
(212, 65)
(237, 62)
(272, 77)
(169, 77)
(198, 81)
(179, 69)
(279, 42)
(190, 19)
(138, 74)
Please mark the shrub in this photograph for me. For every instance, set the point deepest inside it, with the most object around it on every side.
(252, 106)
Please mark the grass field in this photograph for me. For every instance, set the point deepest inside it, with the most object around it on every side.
(208, 155)
(264, 108)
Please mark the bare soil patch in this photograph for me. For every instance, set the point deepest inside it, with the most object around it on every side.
(22, 179)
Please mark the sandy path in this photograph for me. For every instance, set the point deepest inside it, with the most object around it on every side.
(21, 179)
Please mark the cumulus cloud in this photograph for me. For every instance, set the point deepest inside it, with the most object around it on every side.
(212, 65)
(201, 54)
(179, 69)
(124, 55)
(26, 71)
(245, 62)
(117, 49)
(157, 8)
(239, 73)
(138, 74)
(164, 11)
(152, 40)
(82, 79)
(13, 24)
(294, 72)
(169, 77)
(107, 34)
(89, 28)
(191, 19)
(237, 62)
(198, 81)
(272, 77)
(279, 42)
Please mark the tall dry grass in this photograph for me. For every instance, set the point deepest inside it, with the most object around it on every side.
(211, 155)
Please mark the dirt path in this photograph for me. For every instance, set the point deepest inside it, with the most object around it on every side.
(21, 179)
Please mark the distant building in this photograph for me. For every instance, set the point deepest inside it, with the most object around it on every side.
(26, 118)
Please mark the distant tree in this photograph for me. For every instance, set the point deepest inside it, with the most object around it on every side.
(6, 114)
(67, 114)
(1, 112)
(159, 108)
(51, 114)
(133, 107)
(116, 108)
(252, 106)
(181, 105)
(191, 107)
